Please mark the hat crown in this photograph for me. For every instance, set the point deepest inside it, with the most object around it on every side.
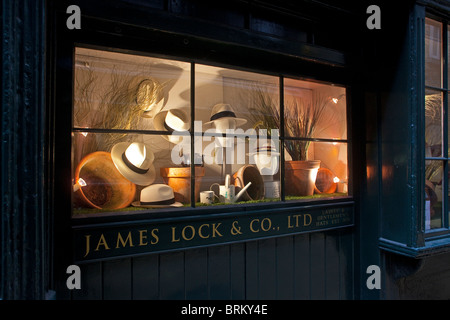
(176, 119)
(136, 154)
(220, 107)
(265, 148)
(156, 192)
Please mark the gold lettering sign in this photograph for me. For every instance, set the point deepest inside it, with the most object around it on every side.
(104, 243)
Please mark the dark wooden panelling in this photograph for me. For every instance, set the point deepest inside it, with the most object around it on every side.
(91, 282)
(285, 268)
(146, 277)
(219, 281)
(307, 266)
(172, 277)
(237, 270)
(196, 267)
(117, 277)
(302, 274)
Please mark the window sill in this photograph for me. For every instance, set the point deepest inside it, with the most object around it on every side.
(431, 247)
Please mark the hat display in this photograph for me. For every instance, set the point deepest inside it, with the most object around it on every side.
(224, 111)
(267, 148)
(171, 120)
(135, 162)
(157, 196)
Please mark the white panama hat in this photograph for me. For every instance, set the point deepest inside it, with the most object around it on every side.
(135, 162)
(171, 120)
(223, 110)
(157, 196)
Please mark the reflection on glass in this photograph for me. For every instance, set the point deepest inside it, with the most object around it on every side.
(433, 194)
(433, 123)
(433, 53)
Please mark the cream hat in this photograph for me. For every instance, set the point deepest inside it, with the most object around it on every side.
(223, 110)
(171, 120)
(135, 162)
(157, 196)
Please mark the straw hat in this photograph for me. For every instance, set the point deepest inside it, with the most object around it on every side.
(171, 120)
(157, 196)
(224, 111)
(135, 162)
(149, 97)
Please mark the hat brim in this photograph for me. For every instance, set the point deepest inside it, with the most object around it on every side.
(138, 204)
(264, 152)
(239, 121)
(144, 179)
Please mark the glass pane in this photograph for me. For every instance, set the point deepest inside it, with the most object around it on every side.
(433, 194)
(324, 175)
(122, 91)
(314, 110)
(433, 123)
(235, 114)
(433, 53)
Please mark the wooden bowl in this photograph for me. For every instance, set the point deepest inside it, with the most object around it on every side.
(102, 186)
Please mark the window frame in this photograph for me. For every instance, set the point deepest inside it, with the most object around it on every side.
(443, 231)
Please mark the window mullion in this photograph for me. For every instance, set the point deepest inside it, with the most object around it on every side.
(445, 222)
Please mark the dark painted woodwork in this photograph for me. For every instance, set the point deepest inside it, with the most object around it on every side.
(308, 266)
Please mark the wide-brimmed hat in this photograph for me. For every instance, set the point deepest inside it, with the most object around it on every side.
(135, 162)
(223, 110)
(171, 120)
(157, 196)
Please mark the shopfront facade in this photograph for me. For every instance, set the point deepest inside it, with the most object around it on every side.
(152, 149)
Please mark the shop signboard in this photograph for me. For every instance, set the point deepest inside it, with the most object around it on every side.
(158, 235)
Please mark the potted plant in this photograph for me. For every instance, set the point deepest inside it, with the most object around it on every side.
(301, 119)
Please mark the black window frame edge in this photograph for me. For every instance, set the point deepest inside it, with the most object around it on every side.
(67, 41)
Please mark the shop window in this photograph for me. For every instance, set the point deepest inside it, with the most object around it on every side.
(155, 133)
(436, 125)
